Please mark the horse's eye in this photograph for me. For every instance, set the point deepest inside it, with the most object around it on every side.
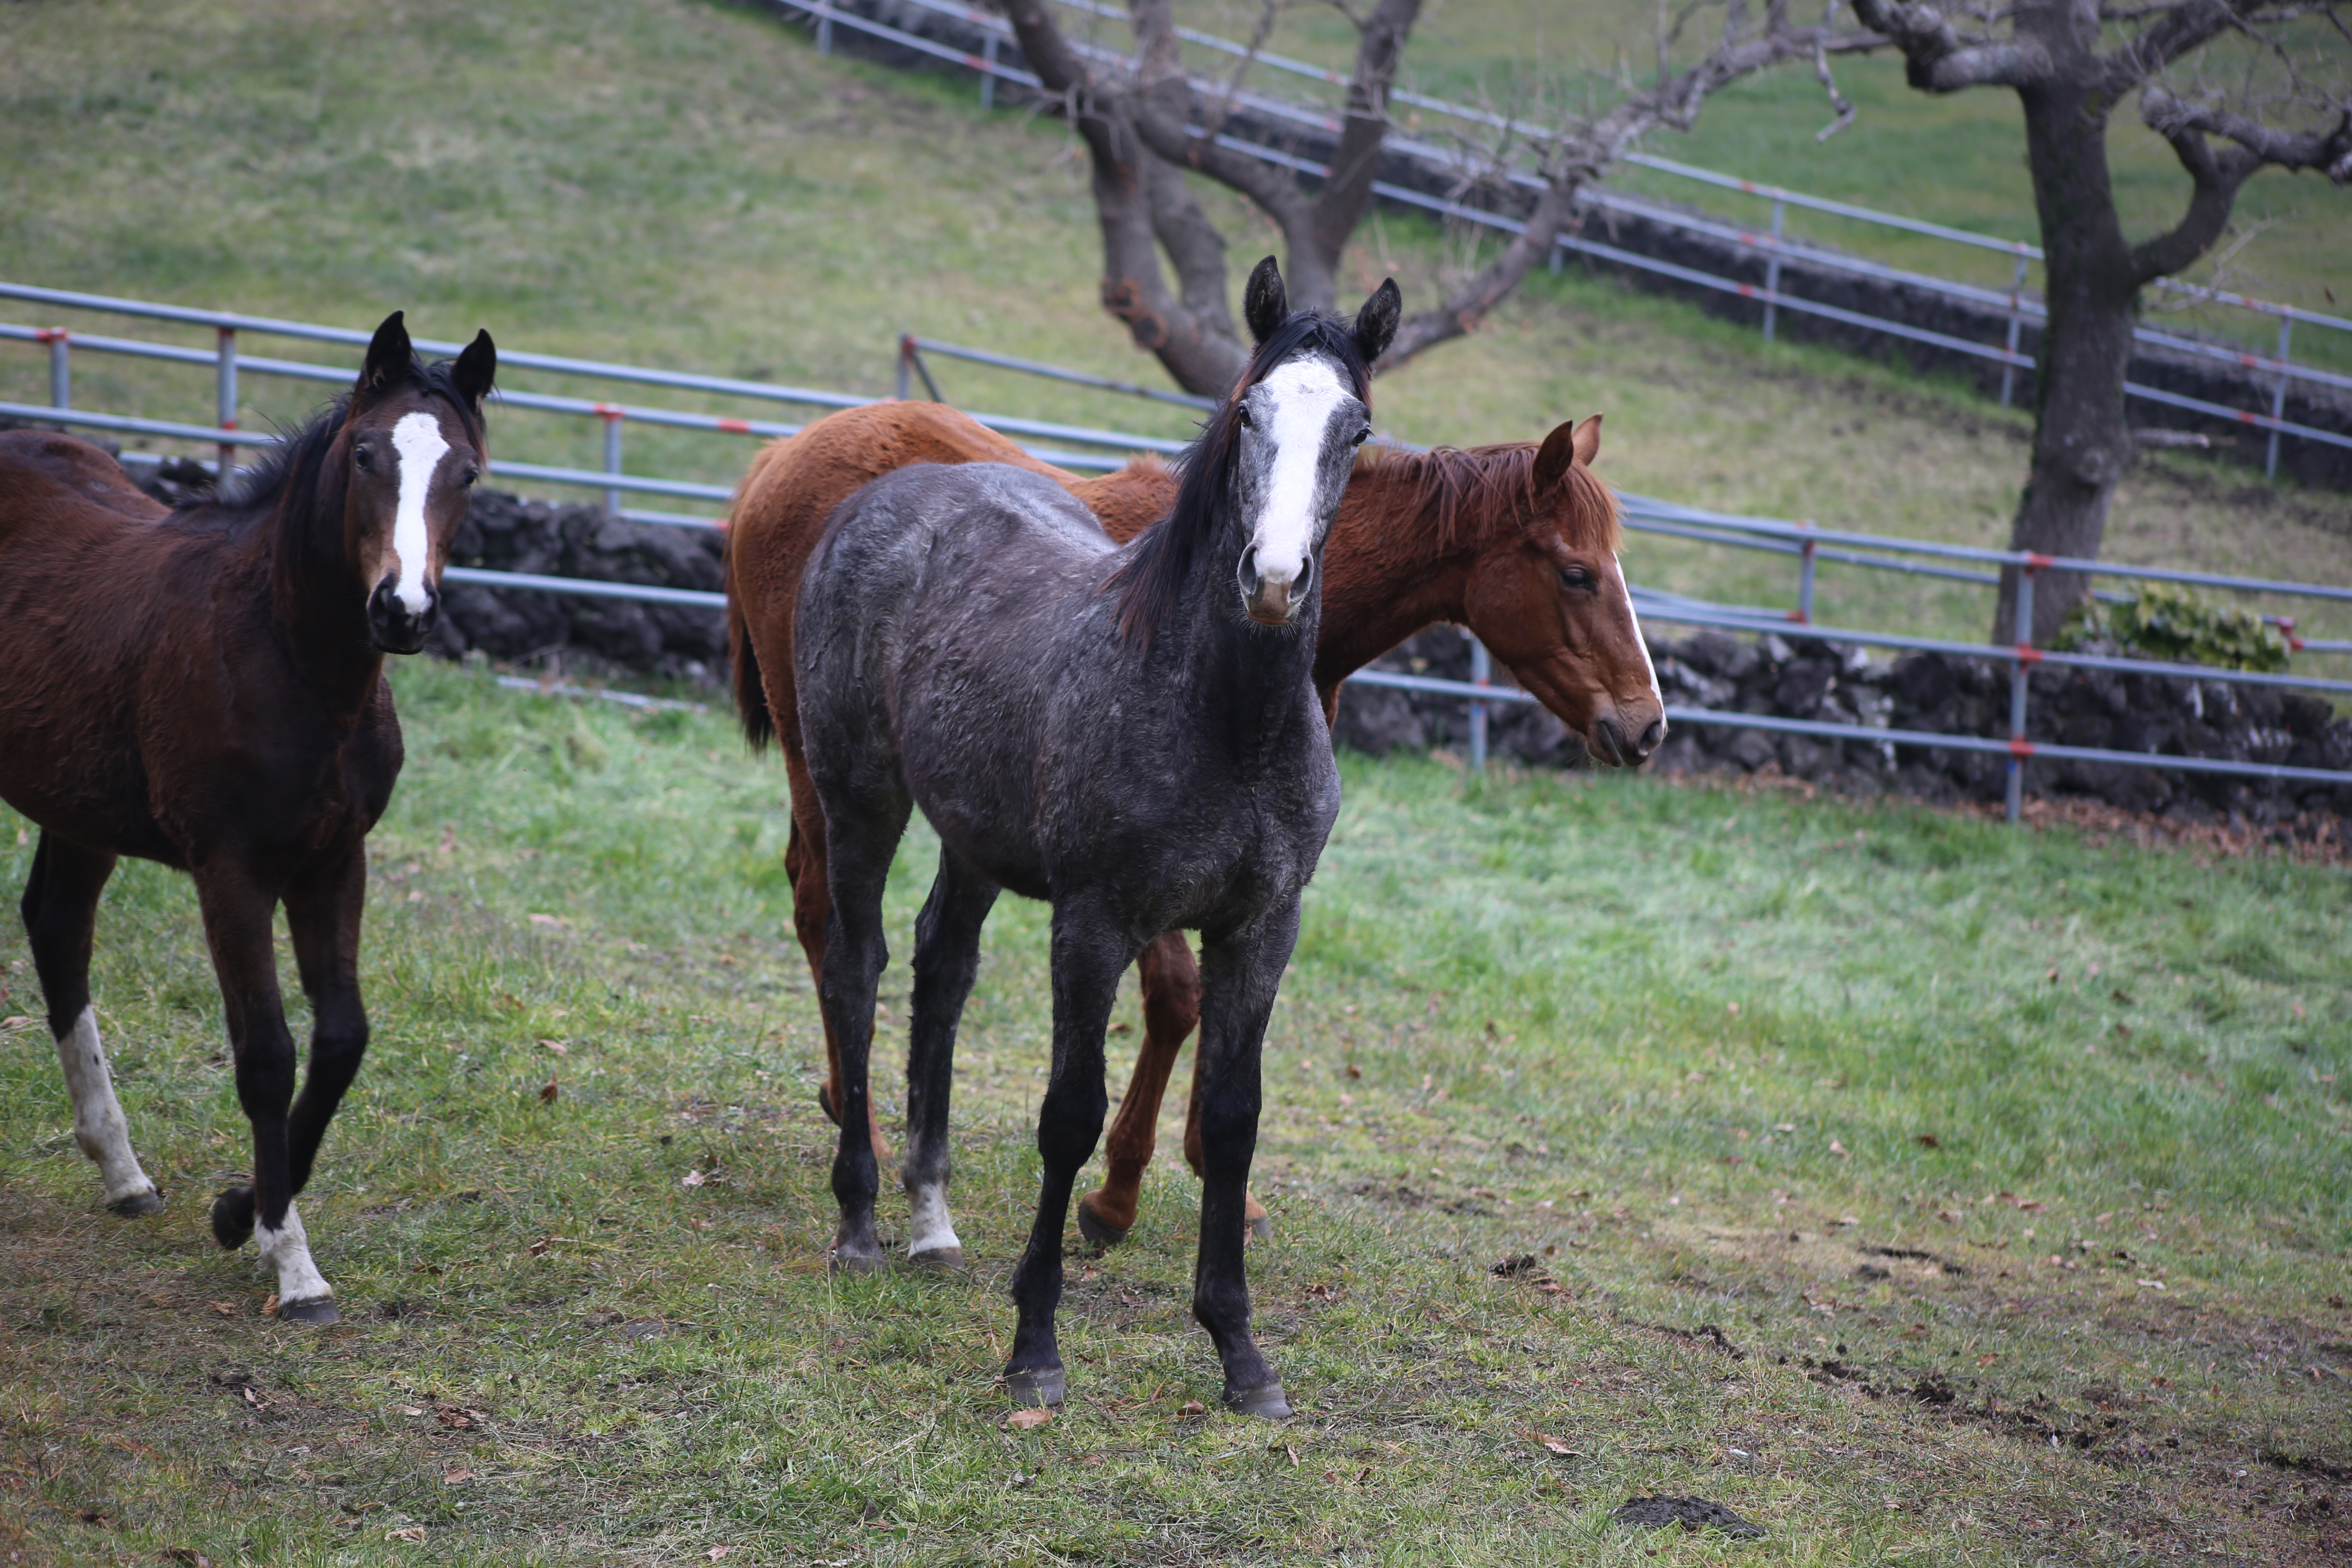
(1241, 413)
(1576, 578)
(363, 457)
(1363, 435)
(471, 475)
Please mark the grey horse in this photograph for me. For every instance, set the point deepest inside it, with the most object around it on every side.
(1132, 734)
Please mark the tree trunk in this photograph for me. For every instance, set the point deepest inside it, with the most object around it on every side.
(2081, 440)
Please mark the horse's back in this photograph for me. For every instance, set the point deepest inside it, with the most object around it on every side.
(54, 484)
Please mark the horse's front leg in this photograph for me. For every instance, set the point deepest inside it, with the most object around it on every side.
(947, 961)
(322, 909)
(60, 910)
(1089, 955)
(1240, 972)
(237, 911)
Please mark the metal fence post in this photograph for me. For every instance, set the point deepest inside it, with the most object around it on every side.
(988, 76)
(1482, 673)
(2022, 659)
(2278, 398)
(611, 417)
(1558, 251)
(906, 363)
(228, 402)
(1804, 615)
(825, 26)
(2016, 321)
(1772, 272)
(60, 365)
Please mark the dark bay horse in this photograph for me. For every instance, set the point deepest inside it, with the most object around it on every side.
(1516, 541)
(203, 686)
(1131, 733)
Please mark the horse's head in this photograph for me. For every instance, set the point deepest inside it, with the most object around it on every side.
(1551, 603)
(1293, 423)
(411, 447)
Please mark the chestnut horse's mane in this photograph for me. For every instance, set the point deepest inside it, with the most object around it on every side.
(1448, 487)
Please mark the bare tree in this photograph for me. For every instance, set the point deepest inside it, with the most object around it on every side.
(2051, 54)
(1144, 123)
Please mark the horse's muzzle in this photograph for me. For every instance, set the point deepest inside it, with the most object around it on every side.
(1266, 602)
(394, 628)
(1611, 744)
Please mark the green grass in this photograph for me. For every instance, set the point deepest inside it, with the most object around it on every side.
(1682, 1044)
(676, 183)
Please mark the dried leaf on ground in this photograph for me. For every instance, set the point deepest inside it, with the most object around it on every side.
(1022, 1420)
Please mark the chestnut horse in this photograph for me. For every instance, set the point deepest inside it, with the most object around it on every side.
(203, 686)
(1516, 541)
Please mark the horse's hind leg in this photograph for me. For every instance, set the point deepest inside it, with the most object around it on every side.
(1172, 1007)
(237, 911)
(812, 902)
(858, 855)
(1240, 972)
(947, 960)
(1088, 956)
(60, 910)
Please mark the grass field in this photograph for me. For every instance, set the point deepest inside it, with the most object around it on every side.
(2008, 1168)
(676, 183)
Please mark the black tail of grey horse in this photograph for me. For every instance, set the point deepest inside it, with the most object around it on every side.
(1131, 734)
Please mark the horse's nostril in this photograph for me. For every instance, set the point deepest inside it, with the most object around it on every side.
(1652, 735)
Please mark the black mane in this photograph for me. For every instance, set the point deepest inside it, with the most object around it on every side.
(1161, 561)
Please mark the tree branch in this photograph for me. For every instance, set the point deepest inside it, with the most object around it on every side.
(2216, 174)
(1937, 59)
(1583, 156)
(1137, 200)
(1348, 189)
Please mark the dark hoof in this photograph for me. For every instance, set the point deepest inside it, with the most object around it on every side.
(319, 1309)
(940, 1260)
(1262, 1227)
(233, 1218)
(1099, 1231)
(1034, 1386)
(1265, 1400)
(825, 1103)
(138, 1205)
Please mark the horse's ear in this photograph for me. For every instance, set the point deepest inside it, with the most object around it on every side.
(1588, 439)
(1264, 305)
(1376, 323)
(476, 368)
(389, 356)
(1560, 452)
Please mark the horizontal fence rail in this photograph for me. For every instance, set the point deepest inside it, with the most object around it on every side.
(1809, 544)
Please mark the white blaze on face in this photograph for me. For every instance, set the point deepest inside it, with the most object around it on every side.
(418, 441)
(1298, 399)
(1634, 625)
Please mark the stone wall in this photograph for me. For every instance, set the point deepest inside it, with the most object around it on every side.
(2108, 709)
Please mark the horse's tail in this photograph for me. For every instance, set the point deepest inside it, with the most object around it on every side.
(751, 692)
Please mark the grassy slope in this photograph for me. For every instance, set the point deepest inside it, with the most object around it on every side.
(680, 184)
(1511, 1029)
(1503, 51)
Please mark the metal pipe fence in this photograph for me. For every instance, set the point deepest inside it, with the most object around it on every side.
(1811, 544)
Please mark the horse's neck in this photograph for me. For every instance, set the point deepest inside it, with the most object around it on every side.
(316, 605)
(1382, 581)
